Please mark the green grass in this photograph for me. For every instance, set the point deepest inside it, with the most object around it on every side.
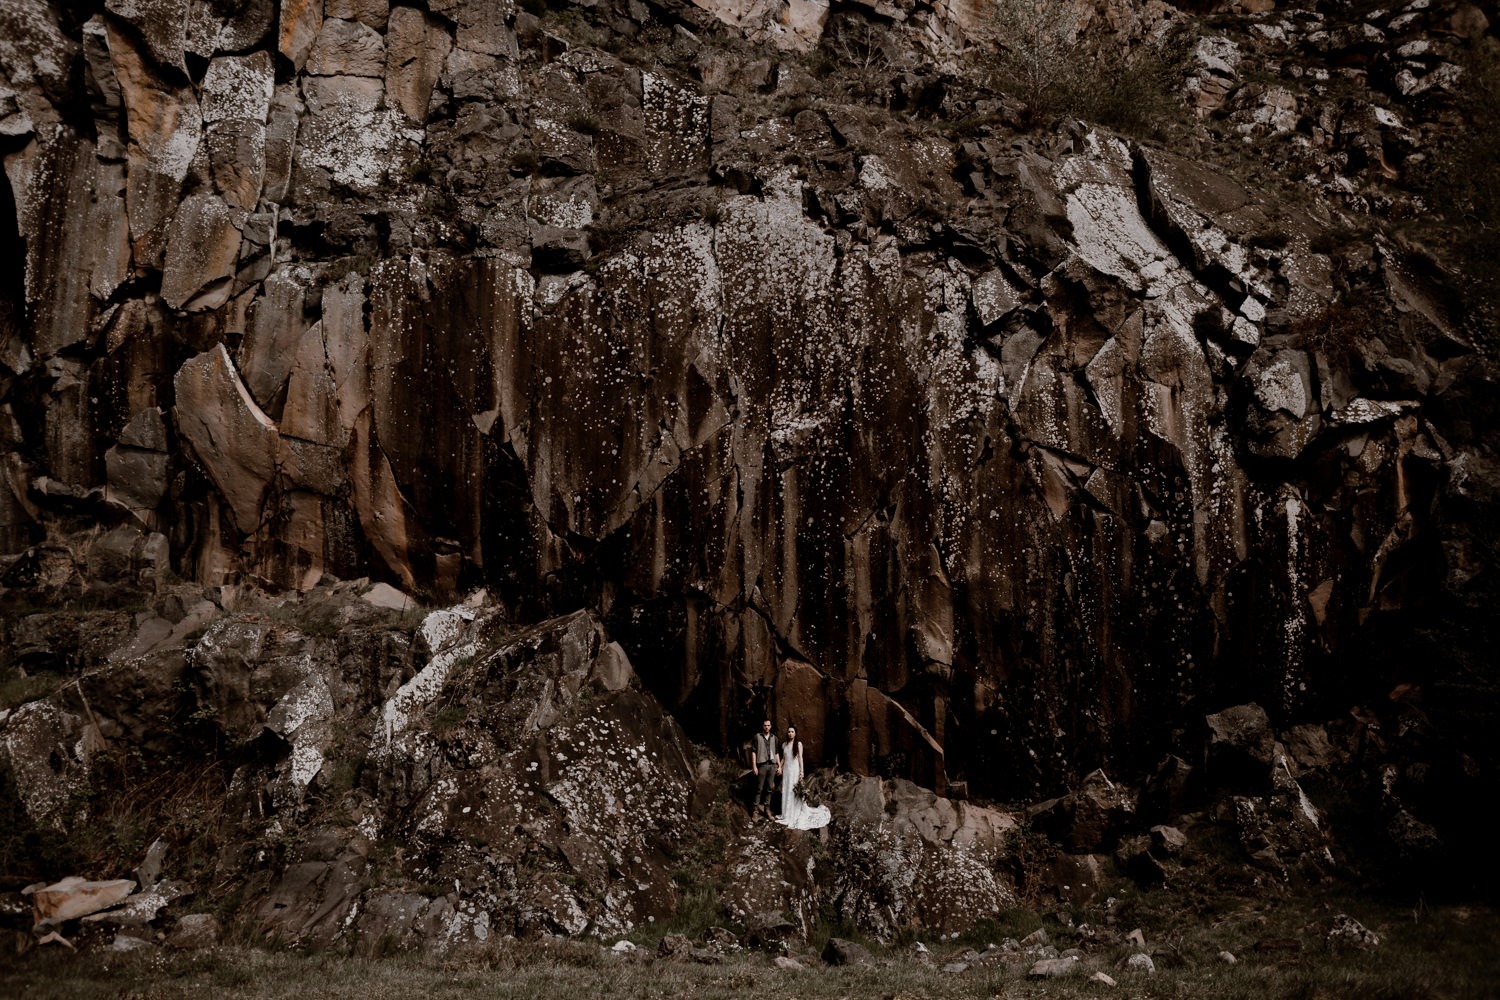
(18, 690)
(1429, 953)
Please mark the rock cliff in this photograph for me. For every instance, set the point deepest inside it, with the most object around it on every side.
(837, 379)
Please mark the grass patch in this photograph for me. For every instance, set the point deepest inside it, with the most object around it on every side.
(18, 690)
(1443, 952)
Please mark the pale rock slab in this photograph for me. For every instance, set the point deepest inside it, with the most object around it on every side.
(69, 215)
(329, 382)
(236, 101)
(74, 897)
(342, 95)
(140, 908)
(383, 595)
(357, 142)
(231, 435)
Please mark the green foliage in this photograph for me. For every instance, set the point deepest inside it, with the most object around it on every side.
(609, 233)
(447, 719)
(1337, 329)
(319, 623)
(27, 852)
(130, 801)
(808, 791)
(1030, 855)
(1455, 967)
(698, 909)
(1275, 239)
(17, 690)
(420, 171)
(1332, 239)
(1037, 38)
(1134, 93)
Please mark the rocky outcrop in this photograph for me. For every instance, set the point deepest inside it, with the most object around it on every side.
(364, 773)
(982, 456)
(905, 858)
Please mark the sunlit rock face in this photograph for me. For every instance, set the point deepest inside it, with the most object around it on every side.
(995, 473)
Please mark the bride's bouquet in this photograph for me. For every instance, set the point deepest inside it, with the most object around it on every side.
(805, 791)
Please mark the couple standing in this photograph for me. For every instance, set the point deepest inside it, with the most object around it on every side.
(768, 758)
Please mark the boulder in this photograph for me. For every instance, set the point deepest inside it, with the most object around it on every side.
(1054, 968)
(1168, 840)
(840, 951)
(150, 870)
(47, 750)
(1168, 791)
(902, 856)
(768, 873)
(1136, 858)
(1346, 932)
(1240, 752)
(674, 946)
(75, 897)
(567, 760)
(1078, 878)
(1089, 819)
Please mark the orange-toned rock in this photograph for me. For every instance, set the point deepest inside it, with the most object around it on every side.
(74, 897)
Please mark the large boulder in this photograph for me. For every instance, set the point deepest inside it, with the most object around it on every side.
(901, 856)
(1090, 818)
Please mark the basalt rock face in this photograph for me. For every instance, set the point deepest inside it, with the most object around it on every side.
(993, 458)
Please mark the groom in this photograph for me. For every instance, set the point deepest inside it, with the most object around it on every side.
(765, 761)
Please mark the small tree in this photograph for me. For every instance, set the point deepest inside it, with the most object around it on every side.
(1036, 39)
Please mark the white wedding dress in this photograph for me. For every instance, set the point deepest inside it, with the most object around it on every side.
(794, 812)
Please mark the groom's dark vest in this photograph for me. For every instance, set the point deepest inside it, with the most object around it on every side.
(765, 749)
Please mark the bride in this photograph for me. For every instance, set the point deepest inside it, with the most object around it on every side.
(794, 812)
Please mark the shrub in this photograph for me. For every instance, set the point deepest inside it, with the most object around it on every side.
(584, 123)
(1043, 61)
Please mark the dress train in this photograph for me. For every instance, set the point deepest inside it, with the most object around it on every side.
(796, 813)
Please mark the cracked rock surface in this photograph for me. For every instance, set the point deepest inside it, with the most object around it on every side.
(985, 454)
